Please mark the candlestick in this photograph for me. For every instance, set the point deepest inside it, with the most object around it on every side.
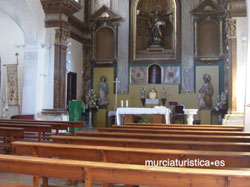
(121, 103)
(126, 103)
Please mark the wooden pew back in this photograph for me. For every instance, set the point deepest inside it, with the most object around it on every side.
(138, 156)
(155, 144)
(122, 173)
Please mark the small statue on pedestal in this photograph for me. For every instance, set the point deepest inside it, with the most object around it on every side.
(143, 96)
(163, 96)
(205, 93)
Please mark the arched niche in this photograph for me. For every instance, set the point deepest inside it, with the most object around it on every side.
(105, 32)
(104, 42)
(208, 39)
(208, 23)
(144, 15)
(154, 74)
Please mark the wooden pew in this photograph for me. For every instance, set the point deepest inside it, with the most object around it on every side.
(177, 128)
(58, 125)
(122, 173)
(177, 137)
(9, 134)
(155, 144)
(136, 156)
(3, 184)
(187, 132)
(159, 131)
(184, 125)
(30, 128)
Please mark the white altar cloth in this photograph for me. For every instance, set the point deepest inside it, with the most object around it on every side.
(156, 110)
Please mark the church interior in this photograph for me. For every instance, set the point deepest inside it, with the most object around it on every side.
(98, 87)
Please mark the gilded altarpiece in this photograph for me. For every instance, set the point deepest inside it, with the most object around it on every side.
(155, 30)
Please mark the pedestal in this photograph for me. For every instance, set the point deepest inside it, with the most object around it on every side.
(206, 116)
(190, 115)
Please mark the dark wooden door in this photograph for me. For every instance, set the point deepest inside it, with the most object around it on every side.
(71, 86)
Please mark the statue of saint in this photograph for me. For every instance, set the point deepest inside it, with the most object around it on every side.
(205, 93)
(142, 93)
(156, 29)
(103, 91)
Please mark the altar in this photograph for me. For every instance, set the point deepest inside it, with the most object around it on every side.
(161, 110)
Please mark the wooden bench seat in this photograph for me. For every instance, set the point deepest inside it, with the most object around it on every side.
(123, 173)
(3, 184)
(184, 125)
(170, 131)
(177, 128)
(180, 137)
(129, 155)
(155, 144)
(30, 128)
(157, 131)
(9, 134)
(57, 125)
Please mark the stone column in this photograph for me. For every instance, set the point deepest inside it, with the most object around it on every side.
(61, 39)
(187, 44)
(122, 7)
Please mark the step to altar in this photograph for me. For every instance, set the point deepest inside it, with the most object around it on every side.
(233, 118)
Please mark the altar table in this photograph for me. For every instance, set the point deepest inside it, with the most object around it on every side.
(134, 111)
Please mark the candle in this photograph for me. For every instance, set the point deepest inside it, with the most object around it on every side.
(126, 103)
(121, 103)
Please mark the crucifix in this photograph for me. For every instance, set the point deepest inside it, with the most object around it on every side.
(116, 82)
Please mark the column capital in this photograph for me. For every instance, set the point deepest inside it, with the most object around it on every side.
(231, 28)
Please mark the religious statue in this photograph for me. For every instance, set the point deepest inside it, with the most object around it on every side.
(163, 96)
(143, 96)
(157, 25)
(103, 91)
(156, 30)
(205, 93)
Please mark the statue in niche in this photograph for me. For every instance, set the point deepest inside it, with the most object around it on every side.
(103, 91)
(156, 25)
(158, 22)
(205, 93)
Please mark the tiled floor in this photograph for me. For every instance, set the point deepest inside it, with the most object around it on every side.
(27, 180)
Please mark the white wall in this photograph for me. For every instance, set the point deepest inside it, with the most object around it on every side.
(11, 35)
(74, 63)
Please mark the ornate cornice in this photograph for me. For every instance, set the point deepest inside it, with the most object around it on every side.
(208, 7)
(105, 14)
(67, 7)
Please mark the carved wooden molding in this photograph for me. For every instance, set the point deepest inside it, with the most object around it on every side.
(105, 18)
(207, 8)
(105, 14)
(208, 23)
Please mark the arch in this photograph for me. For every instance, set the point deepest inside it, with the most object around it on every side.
(154, 74)
(21, 13)
(208, 38)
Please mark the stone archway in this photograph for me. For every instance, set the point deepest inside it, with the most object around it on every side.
(22, 14)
